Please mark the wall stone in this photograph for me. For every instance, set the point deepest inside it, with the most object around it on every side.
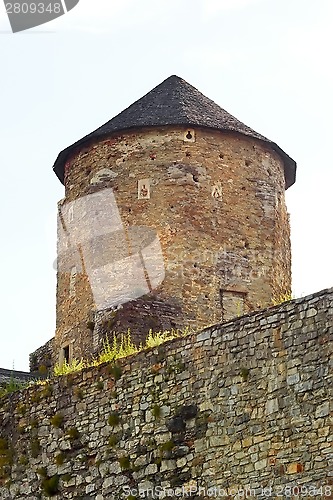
(42, 360)
(245, 405)
(216, 204)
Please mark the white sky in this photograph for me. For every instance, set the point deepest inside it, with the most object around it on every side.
(267, 62)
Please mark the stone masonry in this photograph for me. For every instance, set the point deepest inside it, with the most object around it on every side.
(174, 216)
(217, 205)
(241, 406)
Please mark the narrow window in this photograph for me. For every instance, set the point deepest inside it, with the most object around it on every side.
(144, 189)
(189, 135)
(66, 356)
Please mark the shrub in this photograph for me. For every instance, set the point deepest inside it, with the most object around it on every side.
(244, 373)
(156, 411)
(124, 463)
(114, 419)
(167, 446)
(42, 471)
(60, 458)
(47, 390)
(57, 420)
(73, 433)
(116, 371)
(113, 440)
(50, 485)
(42, 370)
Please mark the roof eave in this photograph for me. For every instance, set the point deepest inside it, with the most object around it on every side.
(289, 163)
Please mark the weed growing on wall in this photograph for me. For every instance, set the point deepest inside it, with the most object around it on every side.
(121, 347)
(57, 420)
(12, 386)
(285, 297)
(66, 368)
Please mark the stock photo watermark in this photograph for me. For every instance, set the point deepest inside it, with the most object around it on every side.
(24, 15)
(278, 491)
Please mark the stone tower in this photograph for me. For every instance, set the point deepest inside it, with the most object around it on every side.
(174, 215)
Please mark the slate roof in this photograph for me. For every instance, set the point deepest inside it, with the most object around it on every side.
(7, 375)
(174, 102)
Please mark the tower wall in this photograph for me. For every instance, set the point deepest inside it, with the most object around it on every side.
(216, 202)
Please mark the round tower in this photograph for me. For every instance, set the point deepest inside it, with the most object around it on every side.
(174, 215)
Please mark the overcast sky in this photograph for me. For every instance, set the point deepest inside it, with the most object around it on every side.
(267, 62)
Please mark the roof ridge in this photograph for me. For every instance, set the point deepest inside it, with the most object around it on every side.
(174, 102)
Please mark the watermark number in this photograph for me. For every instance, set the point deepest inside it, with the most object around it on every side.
(33, 8)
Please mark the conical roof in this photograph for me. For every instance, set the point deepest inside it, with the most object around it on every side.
(175, 102)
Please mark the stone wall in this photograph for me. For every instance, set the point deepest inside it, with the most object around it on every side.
(198, 226)
(43, 359)
(245, 405)
(8, 376)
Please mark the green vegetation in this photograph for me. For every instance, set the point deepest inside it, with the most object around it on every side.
(244, 373)
(42, 471)
(158, 338)
(21, 409)
(285, 297)
(118, 349)
(11, 386)
(156, 411)
(66, 368)
(60, 458)
(57, 420)
(36, 397)
(125, 463)
(34, 423)
(50, 485)
(121, 347)
(47, 390)
(116, 371)
(167, 446)
(73, 433)
(35, 448)
(42, 370)
(113, 440)
(23, 460)
(114, 419)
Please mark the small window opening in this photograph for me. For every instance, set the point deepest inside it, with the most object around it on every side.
(144, 189)
(189, 136)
